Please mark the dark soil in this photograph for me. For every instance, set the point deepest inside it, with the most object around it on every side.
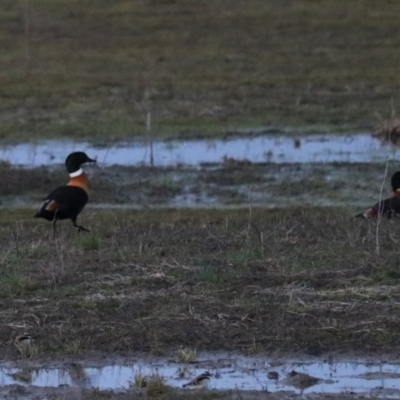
(278, 281)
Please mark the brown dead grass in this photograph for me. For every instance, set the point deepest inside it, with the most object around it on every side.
(305, 281)
(389, 131)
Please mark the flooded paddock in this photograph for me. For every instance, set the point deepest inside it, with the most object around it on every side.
(356, 148)
(228, 372)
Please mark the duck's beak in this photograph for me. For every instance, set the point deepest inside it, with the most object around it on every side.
(91, 160)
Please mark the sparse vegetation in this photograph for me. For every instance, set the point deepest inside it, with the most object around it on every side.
(156, 386)
(301, 279)
(72, 346)
(93, 70)
(140, 380)
(89, 242)
(186, 355)
(32, 392)
(23, 375)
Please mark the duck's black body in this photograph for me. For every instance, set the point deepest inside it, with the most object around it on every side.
(389, 207)
(66, 202)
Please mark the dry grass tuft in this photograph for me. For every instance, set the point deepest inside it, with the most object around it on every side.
(389, 131)
(72, 346)
(186, 355)
(156, 386)
(140, 380)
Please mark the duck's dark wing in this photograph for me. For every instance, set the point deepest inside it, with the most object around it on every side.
(67, 201)
(389, 208)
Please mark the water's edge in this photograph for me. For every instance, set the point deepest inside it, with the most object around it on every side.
(228, 372)
(354, 148)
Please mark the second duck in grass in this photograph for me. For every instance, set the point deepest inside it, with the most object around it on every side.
(66, 202)
(389, 207)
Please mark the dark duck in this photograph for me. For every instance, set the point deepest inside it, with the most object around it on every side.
(66, 202)
(389, 207)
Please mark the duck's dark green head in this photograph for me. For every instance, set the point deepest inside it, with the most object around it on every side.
(395, 181)
(75, 160)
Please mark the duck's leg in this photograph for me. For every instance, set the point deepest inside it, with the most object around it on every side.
(80, 228)
(54, 224)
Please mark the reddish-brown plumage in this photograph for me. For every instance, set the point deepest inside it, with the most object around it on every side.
(53, 206)
(389, 207)
(81, 181)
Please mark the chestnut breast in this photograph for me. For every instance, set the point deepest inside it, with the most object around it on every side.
(81, 181)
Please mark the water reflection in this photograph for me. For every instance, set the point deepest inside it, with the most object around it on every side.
(245, 373)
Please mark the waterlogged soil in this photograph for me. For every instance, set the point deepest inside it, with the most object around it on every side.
(17, 392)
(228, 372)
(294, 280)
(230, 184)
(236, 183)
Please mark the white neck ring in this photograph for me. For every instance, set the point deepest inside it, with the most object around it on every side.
(76, 173)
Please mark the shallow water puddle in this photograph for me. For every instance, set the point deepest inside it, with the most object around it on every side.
(242, 373)
(274, 149)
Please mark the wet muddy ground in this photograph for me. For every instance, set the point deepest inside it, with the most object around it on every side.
(228, 372)
(272, 272)
(16, 392)
(213, 176)
(230, 184)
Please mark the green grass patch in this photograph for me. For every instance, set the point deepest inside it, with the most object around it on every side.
(89, 242)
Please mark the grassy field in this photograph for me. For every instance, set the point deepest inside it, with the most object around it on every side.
(298, 280)
(93, 70)
(290, 281)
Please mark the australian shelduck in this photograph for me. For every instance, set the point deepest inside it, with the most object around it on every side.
(389, 207)
(66, 202)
